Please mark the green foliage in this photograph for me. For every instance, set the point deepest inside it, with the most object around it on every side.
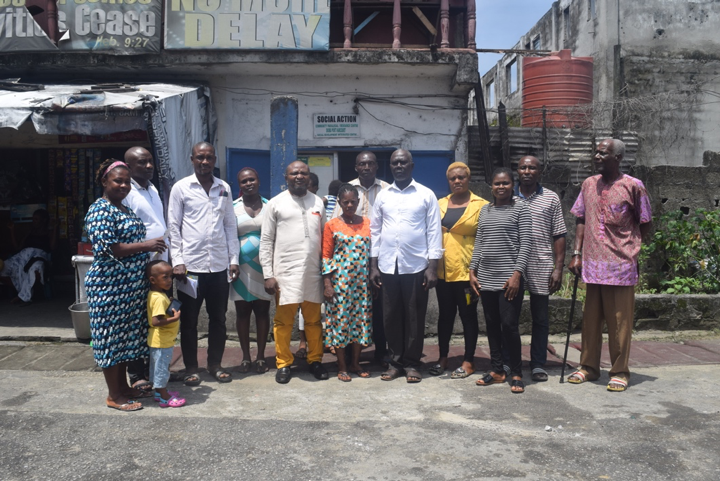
(683, 256)
(566, 288)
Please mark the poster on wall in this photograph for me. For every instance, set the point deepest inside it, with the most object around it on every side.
(129, 27)
(116, 27)
(19, 32)
(247, 24)
(335, 125)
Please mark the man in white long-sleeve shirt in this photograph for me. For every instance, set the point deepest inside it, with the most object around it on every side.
(203, 243)
(406, 247)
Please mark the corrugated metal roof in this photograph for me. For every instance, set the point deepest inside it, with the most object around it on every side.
(568, 150)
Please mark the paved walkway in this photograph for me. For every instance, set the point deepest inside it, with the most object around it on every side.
(28, 356)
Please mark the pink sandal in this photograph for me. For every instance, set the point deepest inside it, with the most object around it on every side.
(173, 402)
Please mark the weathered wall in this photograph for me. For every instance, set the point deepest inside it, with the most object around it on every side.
(243, 104)
(657, 57)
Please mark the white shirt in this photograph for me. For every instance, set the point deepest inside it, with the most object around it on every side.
(203, 230)
(291, 246)
(366, 197)
(406, 229)
(147, 205)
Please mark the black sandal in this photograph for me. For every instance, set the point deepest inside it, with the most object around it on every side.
(489, 379)
(218, 375)
(437, 370)
(517, 383)
(191, 379)
(412, 376)
(390, 374)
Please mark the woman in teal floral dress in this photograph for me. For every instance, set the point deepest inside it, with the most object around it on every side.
(346, 266)
(116, 286)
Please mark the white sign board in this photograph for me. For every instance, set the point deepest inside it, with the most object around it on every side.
(336, 125)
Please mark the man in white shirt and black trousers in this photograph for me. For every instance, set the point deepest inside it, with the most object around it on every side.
(144, 200)
(203, 243)
(406, 246)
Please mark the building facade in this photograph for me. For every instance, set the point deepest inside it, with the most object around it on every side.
(655, 71)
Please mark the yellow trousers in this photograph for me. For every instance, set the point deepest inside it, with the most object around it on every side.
(282, 330)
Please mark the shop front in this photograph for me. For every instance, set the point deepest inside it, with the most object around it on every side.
(53, 138)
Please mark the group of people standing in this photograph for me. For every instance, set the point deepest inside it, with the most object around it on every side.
(373, 263)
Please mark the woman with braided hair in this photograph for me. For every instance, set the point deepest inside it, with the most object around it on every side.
(116, 286)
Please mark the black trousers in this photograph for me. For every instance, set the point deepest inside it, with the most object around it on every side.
(213, 288)
(378, 334)
(404, 308)
(453, 297)
(502, 319)
(138, 370)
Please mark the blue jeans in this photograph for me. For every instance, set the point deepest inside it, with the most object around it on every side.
(160, 358)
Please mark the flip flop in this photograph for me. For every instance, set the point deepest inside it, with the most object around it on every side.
(126, 407)
(362, 373)
(620, 384)
(460, 373)
(437, 370)
(245, 366)
(301, 353)
(344, 376)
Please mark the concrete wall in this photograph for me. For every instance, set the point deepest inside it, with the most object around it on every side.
(243, 102)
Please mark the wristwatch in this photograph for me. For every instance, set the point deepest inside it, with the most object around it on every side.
(577, 253)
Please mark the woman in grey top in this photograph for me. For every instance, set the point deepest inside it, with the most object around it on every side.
(500, 257)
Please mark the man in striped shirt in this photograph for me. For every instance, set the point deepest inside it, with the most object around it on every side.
(545, 266)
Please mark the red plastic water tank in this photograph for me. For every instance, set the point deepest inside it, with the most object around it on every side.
(558, 83)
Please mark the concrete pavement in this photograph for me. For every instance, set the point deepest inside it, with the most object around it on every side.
(666, 426)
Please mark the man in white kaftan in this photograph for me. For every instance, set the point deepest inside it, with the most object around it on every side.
(290, 255)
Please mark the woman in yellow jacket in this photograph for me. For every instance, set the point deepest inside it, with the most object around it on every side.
(459, 211)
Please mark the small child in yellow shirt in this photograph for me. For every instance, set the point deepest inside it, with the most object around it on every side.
(162, 333)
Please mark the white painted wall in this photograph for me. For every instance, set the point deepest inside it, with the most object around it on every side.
(243, 109)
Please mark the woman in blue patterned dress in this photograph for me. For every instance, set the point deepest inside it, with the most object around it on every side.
(346, 266)
(248, 291)
(115, 284)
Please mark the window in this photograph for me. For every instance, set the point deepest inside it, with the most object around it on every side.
(511, 76)
(566, 23)
(527, 46)
(490, 94)
(536, 45)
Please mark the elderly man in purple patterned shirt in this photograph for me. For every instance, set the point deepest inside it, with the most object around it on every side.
(613, 216)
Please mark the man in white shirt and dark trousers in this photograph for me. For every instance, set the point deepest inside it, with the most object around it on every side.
(144, 200)
(406, 246)
(368, 187)
(203, 241)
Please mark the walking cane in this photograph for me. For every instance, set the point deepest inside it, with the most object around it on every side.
(570, 323)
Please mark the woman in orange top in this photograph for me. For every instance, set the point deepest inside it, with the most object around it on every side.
(346, 266)
(459, 212)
